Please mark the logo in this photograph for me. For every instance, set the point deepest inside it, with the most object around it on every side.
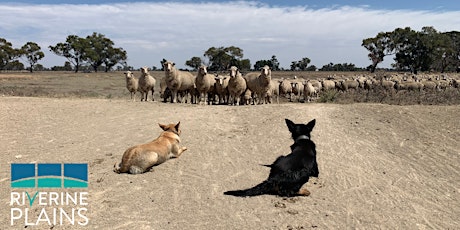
(49, 176)
(61, 205)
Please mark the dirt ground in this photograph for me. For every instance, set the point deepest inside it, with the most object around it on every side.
(381, 166)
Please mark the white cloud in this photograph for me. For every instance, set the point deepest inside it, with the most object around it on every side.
(150, 32)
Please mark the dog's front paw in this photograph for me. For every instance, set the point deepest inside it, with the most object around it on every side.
(183, 148)
(303, 192)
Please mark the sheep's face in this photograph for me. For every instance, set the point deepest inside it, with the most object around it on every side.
(144, 70)
(266, 71)
(168, 66)
(202, 70)
(219, 80)
(233, 71)
(128, 74)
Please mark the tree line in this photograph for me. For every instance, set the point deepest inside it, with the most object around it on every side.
(425, 50)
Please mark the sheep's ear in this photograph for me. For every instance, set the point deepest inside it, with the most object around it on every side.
(290, 125)
(173, 64)
(177, 126)
(163, 127)
(311, 124)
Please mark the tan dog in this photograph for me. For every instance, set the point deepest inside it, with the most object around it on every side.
(140, 158)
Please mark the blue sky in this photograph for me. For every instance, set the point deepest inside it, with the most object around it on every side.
(373, 4)
(324, 31)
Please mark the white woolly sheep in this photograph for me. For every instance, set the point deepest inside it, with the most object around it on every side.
(204, 84)
(274, 91)
(297, 89)
(317, 85)
(285, 88)
(348, 84)
(309, 91)
(259, 83)
(388, 85)
(429, 85)
(146, 84)
(328, 85)
(178, 81)
(247, 97)
(236, 85)
(132, 84)
(221, 88)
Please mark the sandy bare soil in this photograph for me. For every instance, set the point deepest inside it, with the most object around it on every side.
(381, 166)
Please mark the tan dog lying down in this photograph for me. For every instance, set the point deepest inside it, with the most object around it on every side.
(140, 158)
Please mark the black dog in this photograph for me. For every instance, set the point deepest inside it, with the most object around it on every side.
(289, 173)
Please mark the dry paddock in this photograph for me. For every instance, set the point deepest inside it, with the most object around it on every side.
(381, 166)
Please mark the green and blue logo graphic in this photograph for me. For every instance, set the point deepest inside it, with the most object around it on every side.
(49, 175)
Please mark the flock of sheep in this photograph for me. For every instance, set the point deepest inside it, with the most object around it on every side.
(261, 88)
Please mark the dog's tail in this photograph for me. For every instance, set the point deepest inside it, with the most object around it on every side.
(260, 189)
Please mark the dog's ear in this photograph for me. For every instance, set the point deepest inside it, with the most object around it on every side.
(163, 127)
(311, 124)
(290, 125)
(177, 126)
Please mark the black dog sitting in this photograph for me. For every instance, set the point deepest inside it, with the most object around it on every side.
(289, 173)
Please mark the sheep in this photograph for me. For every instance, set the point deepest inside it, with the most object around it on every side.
(274, 91)
(297, 89)
(368, 84)
(178, 81)
(317, 85)
(236, 85)
(429, 85)
(285, 88)
(259, 83)
(328, 84)
(388, 85)
(221, 88)
(247, 97)
(344, 85)
(409, 86)
(165, 93)
(132, 84)
(204, 84)
(309, 91)
(146, 84)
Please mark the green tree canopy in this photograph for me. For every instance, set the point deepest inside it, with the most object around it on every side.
(32, 51)
(7, 53)
(95, 49)
(415, 50)
(273, 63)
(222, 58)
(301, 64)
(73, 49)
(194, 62)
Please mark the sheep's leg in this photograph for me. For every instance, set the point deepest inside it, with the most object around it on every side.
(173, 96)
(153, 99)
(237, 101)
(202, 98)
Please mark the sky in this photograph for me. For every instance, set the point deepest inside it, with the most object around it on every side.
(324, 31)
